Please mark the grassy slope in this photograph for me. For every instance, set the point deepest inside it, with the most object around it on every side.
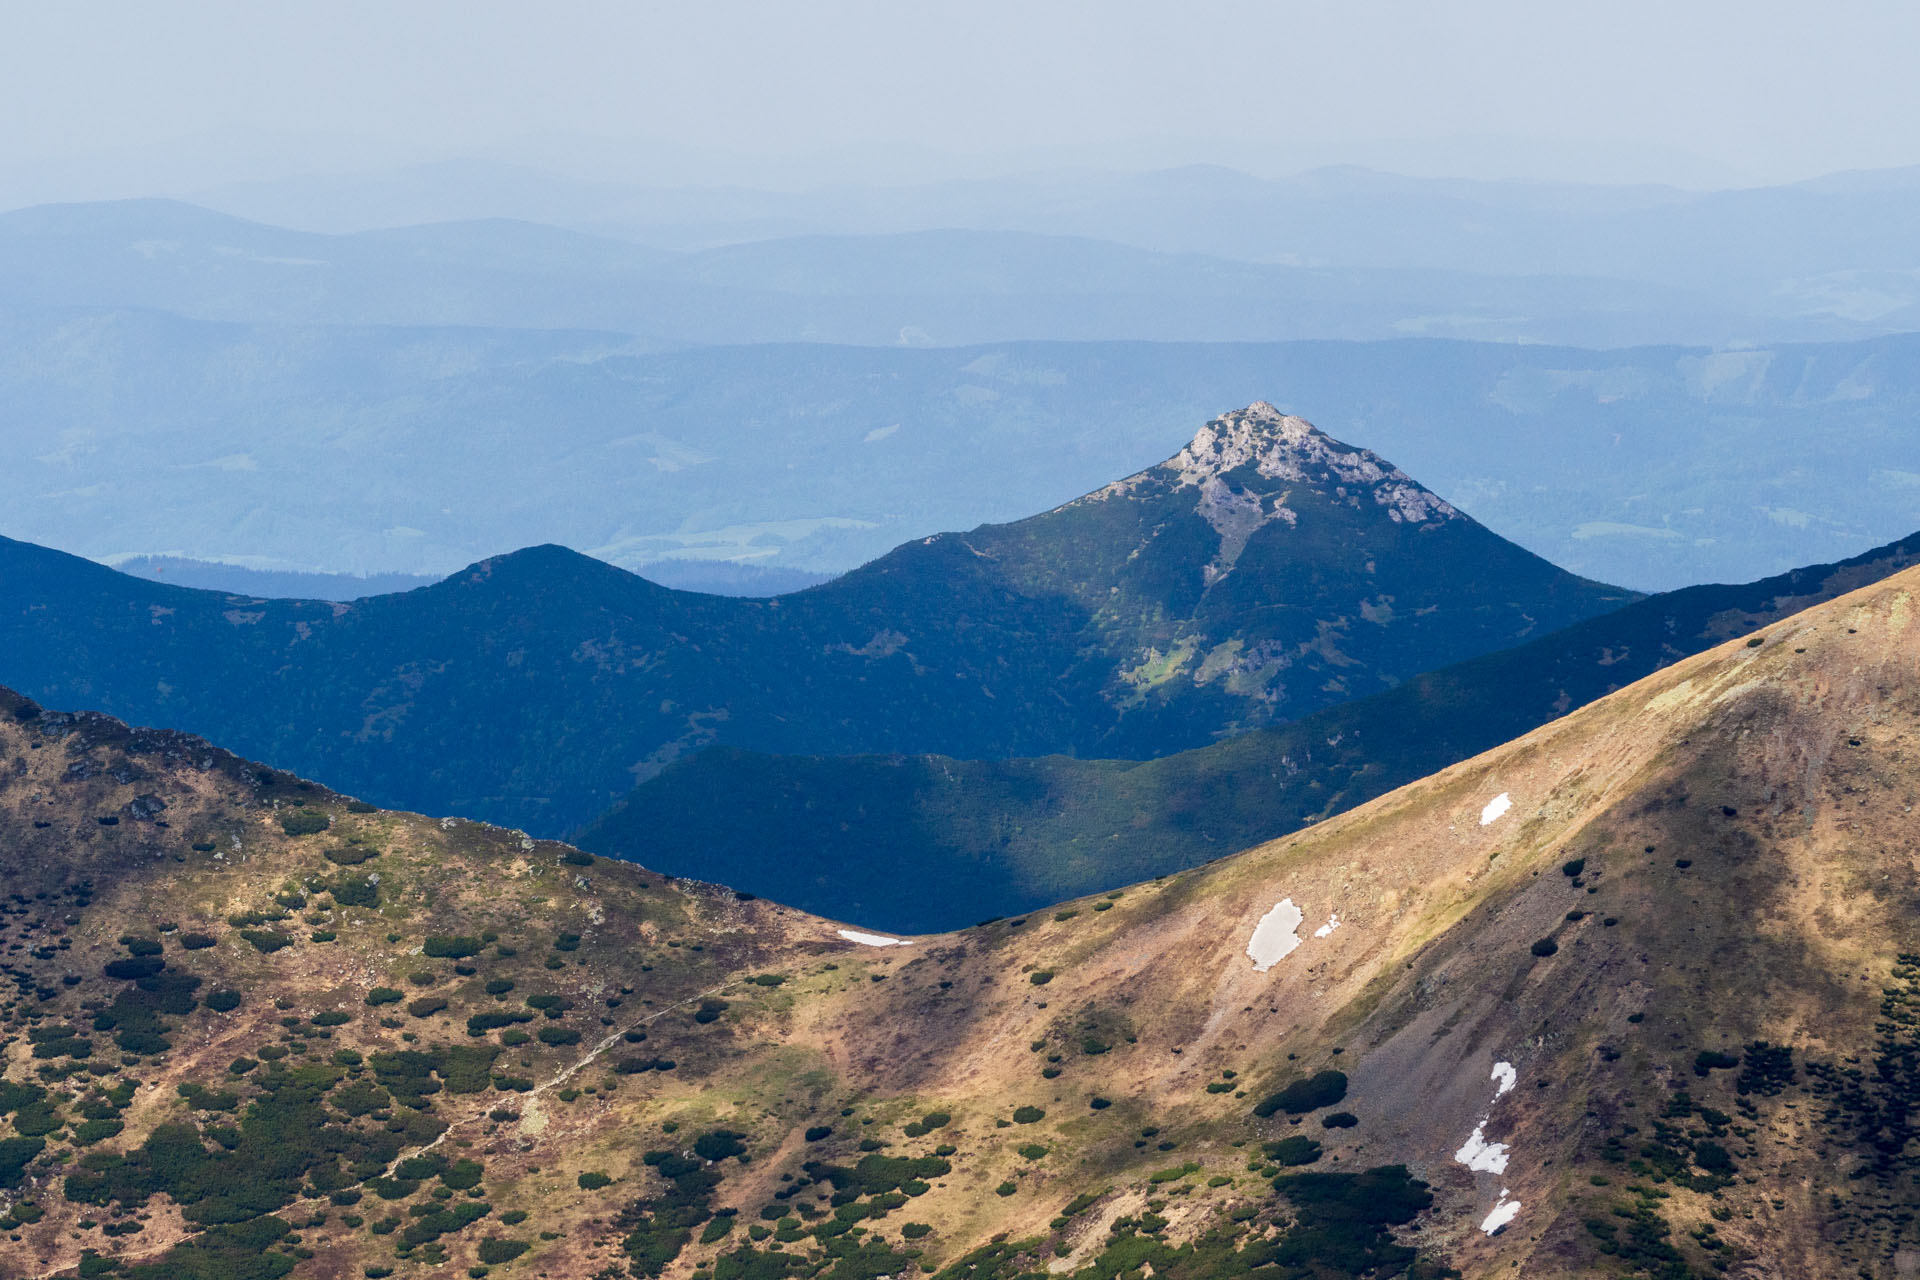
(1749, 874)
(990, 837)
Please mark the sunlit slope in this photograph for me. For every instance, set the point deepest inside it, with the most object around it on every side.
(1721, 858)
(1628, 990)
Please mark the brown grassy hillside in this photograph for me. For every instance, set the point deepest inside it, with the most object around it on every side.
(1689, 934)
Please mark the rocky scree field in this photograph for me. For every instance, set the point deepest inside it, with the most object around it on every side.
(1636, 994)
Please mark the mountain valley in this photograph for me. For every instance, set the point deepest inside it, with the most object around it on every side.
(991, 837)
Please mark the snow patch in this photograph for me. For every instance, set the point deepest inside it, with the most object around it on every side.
(871, 939)
(1333, 922)
(1496, 808)
(1480, 1155)
(1506, 1075)
(1504, 1211)
(1276, 936)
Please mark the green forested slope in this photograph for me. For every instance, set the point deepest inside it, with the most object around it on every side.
(933, 842)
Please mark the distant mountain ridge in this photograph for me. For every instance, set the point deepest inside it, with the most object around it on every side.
(720, 578)
(993, 837)
(941, 285)
(1264, 572)
(1655, 468)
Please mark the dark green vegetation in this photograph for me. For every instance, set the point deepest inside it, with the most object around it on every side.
(1264, 573)
(1317, 1226)
(1296, 1150)
(1857, 1109)
(1013, 835)
(1322, 1089)
(325, 1136)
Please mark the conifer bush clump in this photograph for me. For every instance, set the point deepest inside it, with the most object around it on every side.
(494, 1250)
(927, 1124)
(1293, 1151)
(1712, 1060)
(267, 941)
(304, 822)
(1321, 1089)
(351, 855)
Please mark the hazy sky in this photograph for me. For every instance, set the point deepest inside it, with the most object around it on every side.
(1761, 89)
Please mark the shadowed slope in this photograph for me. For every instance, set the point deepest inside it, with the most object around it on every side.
(994, 837)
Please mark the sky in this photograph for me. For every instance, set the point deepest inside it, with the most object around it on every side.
(1727, 90)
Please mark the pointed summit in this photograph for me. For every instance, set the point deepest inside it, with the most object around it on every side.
(1278, 446)
(1237, 438)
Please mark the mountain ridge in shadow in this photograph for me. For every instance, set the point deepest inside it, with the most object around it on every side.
(1263, 572)
(999, 837)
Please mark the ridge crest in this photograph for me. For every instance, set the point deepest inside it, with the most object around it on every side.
(1285, 447)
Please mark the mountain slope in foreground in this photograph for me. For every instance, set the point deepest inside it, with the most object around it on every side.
(992, 837)
(1635, 994)
(1265, 571)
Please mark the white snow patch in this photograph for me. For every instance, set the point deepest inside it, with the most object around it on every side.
(1275, 937)
(871, 939)
(1480, 1155)
(1504, 1211)
(1333, 922)
(1496, 807)
(1506, 1075)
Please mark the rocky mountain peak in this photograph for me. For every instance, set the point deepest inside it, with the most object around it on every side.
(1281, 446)
(1278, 446)
(1246, 435)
